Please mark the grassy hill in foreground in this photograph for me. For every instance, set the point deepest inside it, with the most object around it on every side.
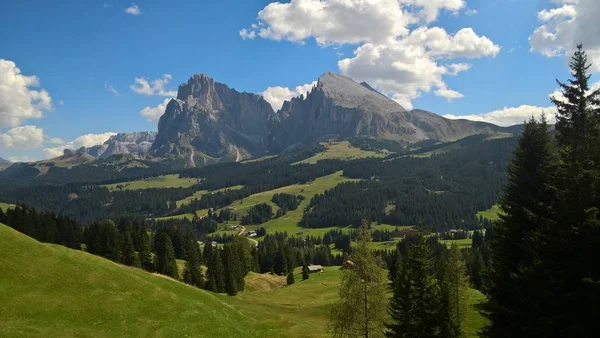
(49, 290)
(55, 291)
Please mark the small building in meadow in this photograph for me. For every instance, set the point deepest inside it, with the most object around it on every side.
(347, 265)
(252, 233)
(315, 268)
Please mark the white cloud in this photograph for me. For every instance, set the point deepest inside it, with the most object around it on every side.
(405, 68)
(470, 12)
(133, 10)
(564, 26)
(15, 159)
(111, 89)
(18, 102)
(509, 116)
(87, 140)
(449, 94)
(277, 95)
(155, 87)
(153, 114)
(24, 137)
(398, 53)
(56, 140)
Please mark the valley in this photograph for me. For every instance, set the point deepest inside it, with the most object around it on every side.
(125, 299)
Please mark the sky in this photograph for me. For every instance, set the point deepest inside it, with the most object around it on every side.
(73, 73)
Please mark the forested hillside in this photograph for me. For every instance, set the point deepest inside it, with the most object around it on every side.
(444, 185)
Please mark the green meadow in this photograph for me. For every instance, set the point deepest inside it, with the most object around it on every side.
(165, 181)
(343, 151)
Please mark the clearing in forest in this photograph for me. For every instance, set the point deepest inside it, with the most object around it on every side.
(165, 181)
(343, 151)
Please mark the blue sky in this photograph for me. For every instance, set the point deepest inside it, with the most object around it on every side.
(77, 60)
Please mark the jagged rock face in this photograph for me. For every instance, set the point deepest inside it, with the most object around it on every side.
(137, 143)
(339, 107)
(210, 122)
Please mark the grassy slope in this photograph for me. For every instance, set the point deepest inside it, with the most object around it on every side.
(199, 194)
(5, 206)
(51, 291)
(343, 151)
(491, 214)
(166, 181)
(63, 292)
(289, 222)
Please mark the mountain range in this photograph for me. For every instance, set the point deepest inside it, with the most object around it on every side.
(210, 122)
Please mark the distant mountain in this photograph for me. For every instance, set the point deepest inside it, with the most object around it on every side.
(4, 163)
(210, 122)
(342, 108)
(137, 143)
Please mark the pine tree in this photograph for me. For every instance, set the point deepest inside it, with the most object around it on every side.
(453, 287)
(128, 256)
(231, 286)
(165, 256)
(575, 277)
(219, 271)
(211, 276)
(145, 253)
(526, 204)
(290, 278)
(361, 310)
(305, 272)
(192, 273)
(415, 306)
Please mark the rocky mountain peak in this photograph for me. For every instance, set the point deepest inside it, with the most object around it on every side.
(210, 122)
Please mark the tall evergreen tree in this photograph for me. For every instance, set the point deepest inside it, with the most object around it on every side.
(145, 251)
(165, 256)
(453, 287)
(218, 272)
(361, 310)
(305, 272)
(290, 278)
(574, 280)
(192, 273)
(415, 306)
(128, 256)
(526, 204)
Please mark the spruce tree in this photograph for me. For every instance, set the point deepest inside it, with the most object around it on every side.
(192, 273)
(290, 278)
(454, 285)
(305, 272)
(231, 286)
(165, 256)
(218, 271)
(526, 204)
(570, 253)
(361, 310)
(415, 307)
(128, 256)
(145, 253)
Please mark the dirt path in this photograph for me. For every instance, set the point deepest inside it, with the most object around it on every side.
(250, 239)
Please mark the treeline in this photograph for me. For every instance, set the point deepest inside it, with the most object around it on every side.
(45, 227)
(88, 203)
(444, 191)
(258, 214)
(227, 267)
(544, 279)
(287, 202)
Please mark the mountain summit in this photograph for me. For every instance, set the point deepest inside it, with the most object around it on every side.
(209, 122)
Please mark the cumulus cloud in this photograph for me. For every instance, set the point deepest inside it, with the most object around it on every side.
(24, 137)
(18, 101)
(133, 10)
(567, 24)
(87, 140)
(153, 114)
(155, 87)
(510, 116)
(396, 59)
(277, 95)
